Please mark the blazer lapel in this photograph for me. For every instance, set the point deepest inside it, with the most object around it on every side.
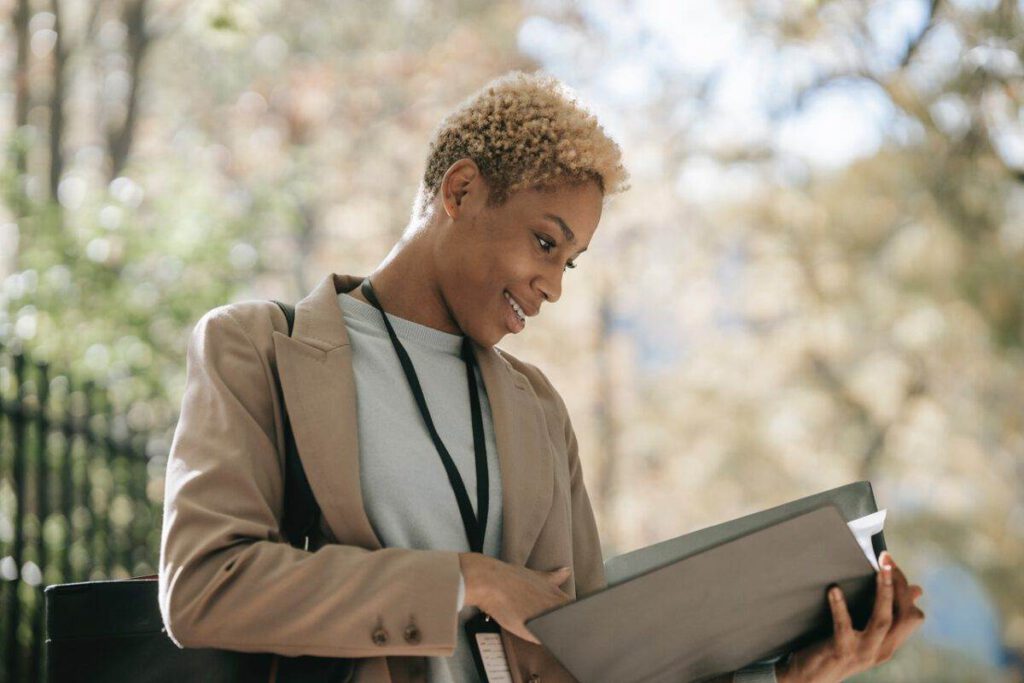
(524, 452)
(315, 369)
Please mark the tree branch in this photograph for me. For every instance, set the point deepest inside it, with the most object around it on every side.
(119, 141)
(933, 8)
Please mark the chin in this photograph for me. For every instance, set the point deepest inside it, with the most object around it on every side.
(486, 333)
(490, 341)
(489, 337)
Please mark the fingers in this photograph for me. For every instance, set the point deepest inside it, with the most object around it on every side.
(524, 594)
(558, 576)
(518, 628)
(909, 614)
(901, 599)
(908, 617)
(881, 616)
(909, 593)
(552, 594)
(842, 627)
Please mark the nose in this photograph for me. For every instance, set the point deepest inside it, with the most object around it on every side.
(550, 288)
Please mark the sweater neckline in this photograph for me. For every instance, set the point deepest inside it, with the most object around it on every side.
(406, 330)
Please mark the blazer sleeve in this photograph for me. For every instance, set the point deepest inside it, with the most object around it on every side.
(227, 577)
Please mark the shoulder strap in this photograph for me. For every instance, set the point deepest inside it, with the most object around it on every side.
(301, 512)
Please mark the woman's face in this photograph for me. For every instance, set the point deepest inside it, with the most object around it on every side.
(521, 249)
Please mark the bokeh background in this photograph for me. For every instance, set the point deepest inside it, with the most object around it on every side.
(816, 278)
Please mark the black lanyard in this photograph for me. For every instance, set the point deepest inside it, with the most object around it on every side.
(475, 527)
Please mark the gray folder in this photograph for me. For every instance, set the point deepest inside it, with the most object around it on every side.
(720, 598)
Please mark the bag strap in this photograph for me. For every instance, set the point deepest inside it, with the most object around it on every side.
(301, 512)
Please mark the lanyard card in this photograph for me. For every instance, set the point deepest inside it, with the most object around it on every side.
(488, 651)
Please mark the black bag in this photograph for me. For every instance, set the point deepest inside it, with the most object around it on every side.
(100, 631)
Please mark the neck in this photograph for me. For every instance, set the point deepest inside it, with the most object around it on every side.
(406, 285)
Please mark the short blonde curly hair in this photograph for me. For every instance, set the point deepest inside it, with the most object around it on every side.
(524, 131)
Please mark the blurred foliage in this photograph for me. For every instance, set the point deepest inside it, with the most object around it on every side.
(748, 327)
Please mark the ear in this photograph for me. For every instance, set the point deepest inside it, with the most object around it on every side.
(460, 180)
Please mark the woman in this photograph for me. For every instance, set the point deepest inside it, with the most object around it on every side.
(447, 470)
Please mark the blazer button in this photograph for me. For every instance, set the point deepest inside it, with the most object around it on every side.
(380, 636)
(412, 634)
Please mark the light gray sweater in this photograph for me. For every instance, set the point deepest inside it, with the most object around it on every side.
(405, 489)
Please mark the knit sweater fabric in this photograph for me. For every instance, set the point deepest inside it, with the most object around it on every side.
(406, 492)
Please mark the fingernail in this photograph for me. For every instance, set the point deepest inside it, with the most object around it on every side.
(834, 594)
(887, 574)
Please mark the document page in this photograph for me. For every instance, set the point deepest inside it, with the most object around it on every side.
(863, 529)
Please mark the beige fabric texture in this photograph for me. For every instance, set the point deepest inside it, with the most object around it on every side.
(228, 577)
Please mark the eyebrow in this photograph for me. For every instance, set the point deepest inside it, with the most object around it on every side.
(566, 230)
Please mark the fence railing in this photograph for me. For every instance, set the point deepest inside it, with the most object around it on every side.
(76, 499)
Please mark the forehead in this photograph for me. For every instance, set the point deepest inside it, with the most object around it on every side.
(572, 208)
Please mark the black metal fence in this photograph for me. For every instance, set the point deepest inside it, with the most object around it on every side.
(77, 499)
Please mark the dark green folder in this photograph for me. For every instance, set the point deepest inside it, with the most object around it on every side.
(718, 599)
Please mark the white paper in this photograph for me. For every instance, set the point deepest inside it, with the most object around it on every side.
(863, 529)
(493, 655)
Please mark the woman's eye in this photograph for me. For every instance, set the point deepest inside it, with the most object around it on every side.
(547, 246)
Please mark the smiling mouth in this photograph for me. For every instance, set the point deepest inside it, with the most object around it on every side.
(515, 307)
(515, 319)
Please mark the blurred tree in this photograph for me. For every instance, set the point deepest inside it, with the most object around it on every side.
(790, 327)
(745, 328)
(197, 153)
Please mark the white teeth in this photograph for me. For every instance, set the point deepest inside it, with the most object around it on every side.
(515, 307)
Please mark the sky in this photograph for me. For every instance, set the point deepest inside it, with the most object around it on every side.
(651, 40)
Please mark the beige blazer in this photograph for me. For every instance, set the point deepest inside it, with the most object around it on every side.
(228, 578)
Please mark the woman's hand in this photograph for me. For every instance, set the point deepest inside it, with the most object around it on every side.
(849, 651)
(509, 593)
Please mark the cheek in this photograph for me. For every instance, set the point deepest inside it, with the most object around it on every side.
(516, 263)
(498, 271)
(498, 265)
